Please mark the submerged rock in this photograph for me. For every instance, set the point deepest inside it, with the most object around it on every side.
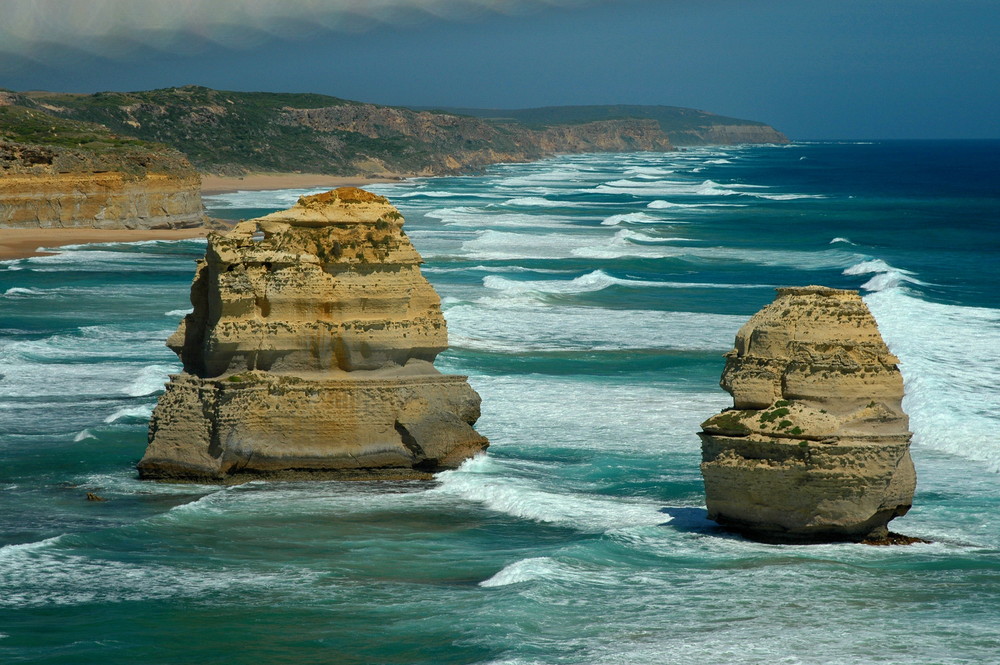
(816, 446)
(309, 352)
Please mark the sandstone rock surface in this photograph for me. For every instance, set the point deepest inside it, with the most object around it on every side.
(93, 180)
(816, 446)
(310, 349)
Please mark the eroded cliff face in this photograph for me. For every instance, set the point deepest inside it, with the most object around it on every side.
(816, 446)
(455, 144)
(310, 350)
(55, 187)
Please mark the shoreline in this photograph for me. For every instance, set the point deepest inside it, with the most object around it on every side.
(251, 182)
(25, 243)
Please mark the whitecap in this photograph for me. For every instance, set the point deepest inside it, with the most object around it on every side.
(647, 171)
(786, 197)
(178, 312)
(525, 570)
(532, 202)
(660, 204)
(17, 291)
(884, 277)
(631, 217)
(712, 188)
(592, 281)
(130, 413)
(83, 435)
(483, 481)
(149, 380)
(843, 240)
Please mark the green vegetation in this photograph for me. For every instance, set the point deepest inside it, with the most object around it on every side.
(217, 130)
(730, 422)
(34, 127)
(771, 416)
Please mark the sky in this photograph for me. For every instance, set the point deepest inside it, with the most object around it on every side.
(814, 69)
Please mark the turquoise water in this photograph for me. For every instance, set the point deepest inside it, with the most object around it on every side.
(589, 299)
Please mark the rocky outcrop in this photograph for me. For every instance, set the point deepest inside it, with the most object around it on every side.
(79, 175)
(310, 350)
(816, 446)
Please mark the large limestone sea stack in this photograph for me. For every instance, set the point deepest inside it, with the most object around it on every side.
(309, 352)
(816, 446)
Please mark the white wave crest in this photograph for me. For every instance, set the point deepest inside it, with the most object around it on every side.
(131, 413)
(660, 204)
(592, 281)
(480, 480)
(525, 570)
(531, 202)
(20, 292)
(150, 380)
(885, 275)
(631, 218)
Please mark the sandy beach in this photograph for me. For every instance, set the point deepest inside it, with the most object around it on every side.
(214, 184)
(22, 243)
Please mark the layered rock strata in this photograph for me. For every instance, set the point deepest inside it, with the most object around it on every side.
(310, 349)
(44, 186)
(816, 446)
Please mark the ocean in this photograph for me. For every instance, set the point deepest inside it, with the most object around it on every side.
(590, 299)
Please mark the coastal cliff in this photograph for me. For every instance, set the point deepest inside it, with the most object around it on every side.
(681, 126)
(58, 173)
(310, 351)
(816, 446)
(233, 133)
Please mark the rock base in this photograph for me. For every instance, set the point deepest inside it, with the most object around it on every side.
(258, 424)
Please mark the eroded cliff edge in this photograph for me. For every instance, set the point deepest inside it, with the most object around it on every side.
(59, 173)
(310, 350)
(816, 446)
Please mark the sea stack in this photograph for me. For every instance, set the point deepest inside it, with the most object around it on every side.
(310, 353)
(816, 446)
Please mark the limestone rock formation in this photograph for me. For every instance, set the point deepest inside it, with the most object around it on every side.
(310, 349)
(59, 173)
(110, 200)
(816, 446)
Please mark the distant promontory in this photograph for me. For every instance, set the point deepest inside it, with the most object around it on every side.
(225, 132)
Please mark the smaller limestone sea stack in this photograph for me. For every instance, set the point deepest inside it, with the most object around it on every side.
(309, 352)
(816, 446)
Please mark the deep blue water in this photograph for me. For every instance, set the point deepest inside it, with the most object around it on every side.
(589, 299)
